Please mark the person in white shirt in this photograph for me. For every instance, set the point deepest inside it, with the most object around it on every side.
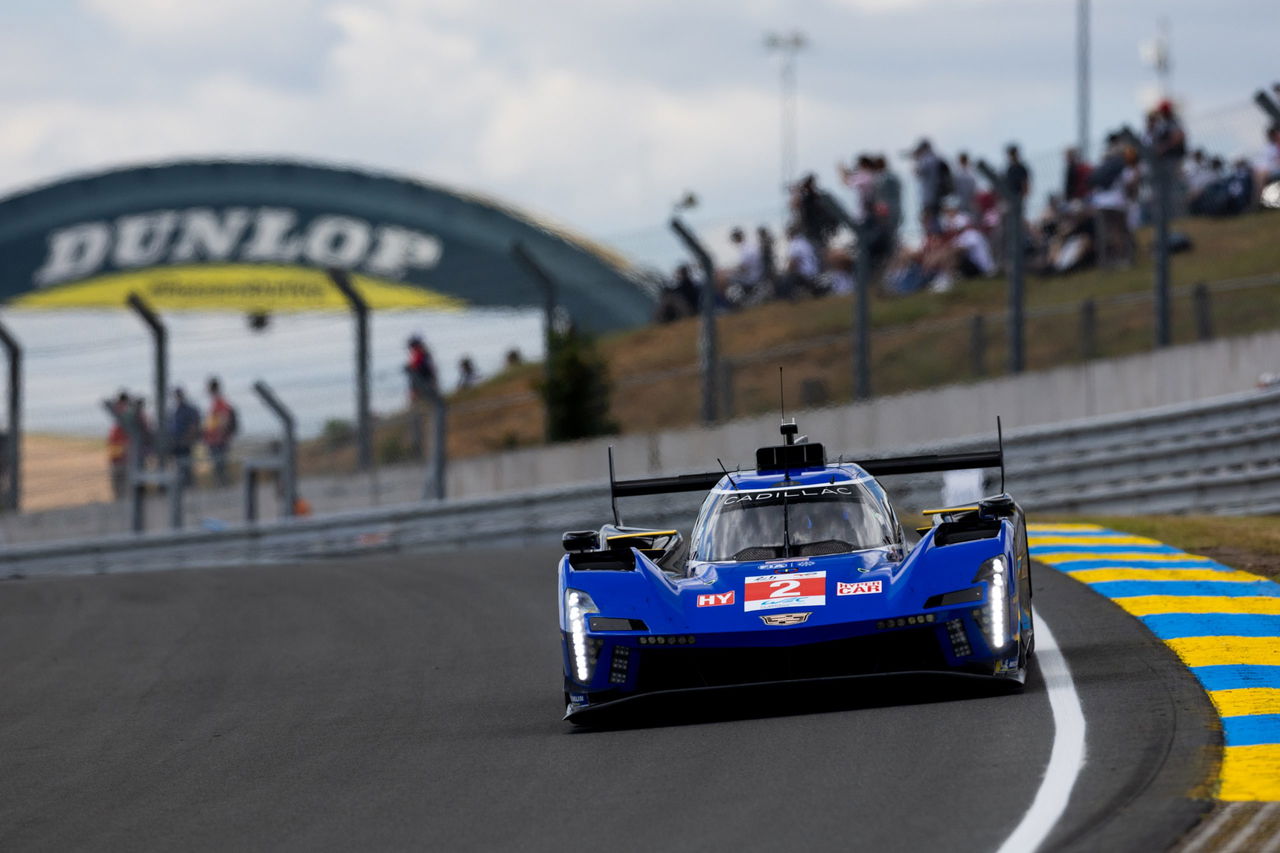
(747, 277)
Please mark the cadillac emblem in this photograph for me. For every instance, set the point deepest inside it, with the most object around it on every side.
(786, 618)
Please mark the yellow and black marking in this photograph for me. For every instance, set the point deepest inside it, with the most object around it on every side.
(1224, 624)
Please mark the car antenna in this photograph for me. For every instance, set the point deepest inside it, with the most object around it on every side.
(782, 395)
(727, 474)
(1000, 443)
(613, 496)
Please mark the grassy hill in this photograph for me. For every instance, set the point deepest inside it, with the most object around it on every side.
(918, 341)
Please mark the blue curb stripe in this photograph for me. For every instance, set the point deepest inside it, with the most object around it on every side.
(1104, 549)
(1095, 563)
(1169, 626)
(1251, 730)
(1127, 589)
(1236, 676)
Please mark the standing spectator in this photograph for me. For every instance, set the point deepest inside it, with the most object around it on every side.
(768, 261)
(421, 368)
(679, 296)
(934, 177)
(220, 427)
(514, 358)
(467, 373)
(1269, 161)
(1111, 200)
(184, 432)
(1016, 174)
(861, 179)
(888, 209)
(1075, 178)
(812, 213)
(118, 446)
(965, 185)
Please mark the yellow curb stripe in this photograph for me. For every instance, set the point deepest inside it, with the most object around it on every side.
(1218, 651)
(1245, 701)
(1147, 605)
(1251, 773)
(1065, 528)
(1121, 573)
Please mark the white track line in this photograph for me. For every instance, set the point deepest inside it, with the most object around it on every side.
(1241, 838)
(1067, 757)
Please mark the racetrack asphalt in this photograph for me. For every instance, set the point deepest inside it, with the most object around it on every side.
(414, 702)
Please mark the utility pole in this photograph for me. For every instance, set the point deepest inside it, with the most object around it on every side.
(1083, 105)
(788, 45)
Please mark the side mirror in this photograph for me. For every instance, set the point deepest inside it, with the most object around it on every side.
(577, 541)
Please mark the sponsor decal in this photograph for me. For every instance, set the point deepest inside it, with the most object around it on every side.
(715, 599)
(235, 234)
(814, 492)
(858, 588)
(768, 592)
(785, 618)
(1003, 666)
(787, 566)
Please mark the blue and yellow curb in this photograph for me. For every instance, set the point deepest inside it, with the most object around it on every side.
(1224, 624)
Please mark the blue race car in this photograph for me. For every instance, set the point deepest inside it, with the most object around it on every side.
(797, 570)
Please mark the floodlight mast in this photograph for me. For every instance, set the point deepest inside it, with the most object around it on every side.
(788, 45)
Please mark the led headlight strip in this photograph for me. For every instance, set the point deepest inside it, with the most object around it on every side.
(995, 573)
(577, 607)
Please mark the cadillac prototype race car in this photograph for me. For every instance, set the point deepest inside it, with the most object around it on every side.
(797, 570)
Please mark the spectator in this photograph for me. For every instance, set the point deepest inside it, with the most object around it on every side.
(884, 239)
(812, 213)
(220, 427)
(861, 179)
(965, 185)
(467, 373)
(1201, 174)
(184, 432)
(421, 368)
(679, 296)
(1075, 179)
(1110, 182)
(1269, 161)
(972, 251)
(514, 358)
(1016, 174)
(934, 177)
(747, 277)
(118, 445)
(802, 265)
(768, 260)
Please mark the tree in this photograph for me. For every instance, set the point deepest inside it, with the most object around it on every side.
(576, 390)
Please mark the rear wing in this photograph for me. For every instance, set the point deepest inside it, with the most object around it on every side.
(886, 467)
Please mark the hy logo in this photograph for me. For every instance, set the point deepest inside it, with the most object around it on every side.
(786, 618)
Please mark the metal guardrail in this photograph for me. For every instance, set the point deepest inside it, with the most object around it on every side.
(1220, 456)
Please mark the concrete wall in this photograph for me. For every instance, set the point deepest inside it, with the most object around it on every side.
(1176, 375)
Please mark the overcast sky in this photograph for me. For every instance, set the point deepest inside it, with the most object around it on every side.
(598, 113)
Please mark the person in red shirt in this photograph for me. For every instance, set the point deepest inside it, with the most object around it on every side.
(220, 426)
(421, 369)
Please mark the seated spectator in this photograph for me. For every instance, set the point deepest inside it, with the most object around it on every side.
(1111, 182)
(679, 297)
(972, 252)
(746, 280)
(1072, 245)
(839, 278)
(801, 273)
(1200, 173)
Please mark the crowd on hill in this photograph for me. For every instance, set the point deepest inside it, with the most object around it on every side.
(1090, 219)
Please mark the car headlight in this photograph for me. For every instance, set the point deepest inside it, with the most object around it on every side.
(578, 606)
(996, 618)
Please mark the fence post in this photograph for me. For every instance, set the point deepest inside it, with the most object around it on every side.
(1015, 249)
(288, 470)
(1203, 311)
(13, 449)
(1088, 330)
(978, 345)
(360, 311)
(708, 350)
(861, 327)
(132, 463)
(434, 487)
(160, 341)
(547, 284)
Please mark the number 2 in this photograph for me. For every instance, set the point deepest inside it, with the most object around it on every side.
(781, 589)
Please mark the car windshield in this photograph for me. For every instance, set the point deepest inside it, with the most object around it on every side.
(821, 519)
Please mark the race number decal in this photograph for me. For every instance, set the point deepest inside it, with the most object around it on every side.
(859, 588)
(802, 589)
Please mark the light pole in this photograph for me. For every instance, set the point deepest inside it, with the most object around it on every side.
(788, 45)
(1082, 78)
